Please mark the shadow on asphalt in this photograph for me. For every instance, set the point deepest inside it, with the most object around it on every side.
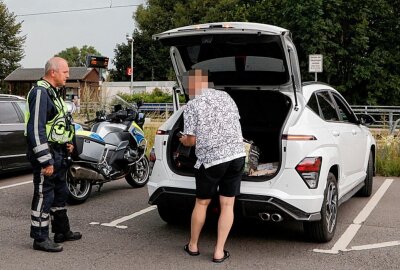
(5, 175)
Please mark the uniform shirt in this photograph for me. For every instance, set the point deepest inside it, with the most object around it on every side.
(213, 118)
(42, 109)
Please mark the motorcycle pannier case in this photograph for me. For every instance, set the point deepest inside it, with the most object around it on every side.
(89, 146)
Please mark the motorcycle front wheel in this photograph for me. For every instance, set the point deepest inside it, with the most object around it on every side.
(78, 190)
(139, 173)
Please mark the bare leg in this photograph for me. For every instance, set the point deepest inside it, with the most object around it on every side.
(198, 219)
(225, 222)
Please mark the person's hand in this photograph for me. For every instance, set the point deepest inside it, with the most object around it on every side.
(188, 140)
(48, 171)
(182, 139)
(70, 147)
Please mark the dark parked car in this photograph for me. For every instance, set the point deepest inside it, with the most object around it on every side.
(12, 139)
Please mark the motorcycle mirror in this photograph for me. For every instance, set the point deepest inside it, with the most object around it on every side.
(117, 107)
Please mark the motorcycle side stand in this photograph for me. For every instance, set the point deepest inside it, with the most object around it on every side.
(99, 187)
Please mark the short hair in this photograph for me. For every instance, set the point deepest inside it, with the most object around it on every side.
(185, 76)
(53, 64)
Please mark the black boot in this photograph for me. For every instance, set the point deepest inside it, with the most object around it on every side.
(69, 236)
(47, 245)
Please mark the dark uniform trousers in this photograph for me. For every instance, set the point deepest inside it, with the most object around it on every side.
(49, 196)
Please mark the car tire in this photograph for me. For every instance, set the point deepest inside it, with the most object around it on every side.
(139, 173)
(323, 230)
(78, 190)
(366, 190)
(172, 216)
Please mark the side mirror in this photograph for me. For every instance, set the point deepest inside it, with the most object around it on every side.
(139, 103)
(366, 119)
(117, 107)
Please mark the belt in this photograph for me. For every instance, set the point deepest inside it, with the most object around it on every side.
(57, 146)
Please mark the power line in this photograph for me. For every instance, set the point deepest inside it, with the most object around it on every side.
(73, 10)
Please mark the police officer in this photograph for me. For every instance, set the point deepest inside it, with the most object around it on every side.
(49, 134)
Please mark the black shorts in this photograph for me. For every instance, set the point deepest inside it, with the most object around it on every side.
(223, 179)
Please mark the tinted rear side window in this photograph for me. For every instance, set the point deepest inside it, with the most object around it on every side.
(8, 115)
(345, 112)
(327, 107)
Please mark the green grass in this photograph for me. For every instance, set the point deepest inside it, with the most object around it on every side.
(388, 155)
(150, 130)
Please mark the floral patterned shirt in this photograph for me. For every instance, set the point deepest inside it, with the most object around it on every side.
(213, 118)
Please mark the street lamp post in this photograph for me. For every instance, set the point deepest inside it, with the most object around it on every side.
(129, 38)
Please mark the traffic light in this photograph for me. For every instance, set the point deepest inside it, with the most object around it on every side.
(130, 71)
(97, 61)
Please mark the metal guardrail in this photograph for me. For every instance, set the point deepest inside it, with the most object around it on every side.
(386, 117)
(157, 107)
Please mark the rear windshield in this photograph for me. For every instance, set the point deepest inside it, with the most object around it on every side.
(237, 59)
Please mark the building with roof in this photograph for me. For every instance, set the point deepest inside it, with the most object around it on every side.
(82, 81)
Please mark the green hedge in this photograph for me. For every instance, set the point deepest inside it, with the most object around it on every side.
(156, 96)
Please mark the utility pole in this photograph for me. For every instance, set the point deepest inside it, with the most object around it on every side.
(129, 38)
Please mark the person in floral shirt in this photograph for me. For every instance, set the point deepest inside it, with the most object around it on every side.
(211, 124)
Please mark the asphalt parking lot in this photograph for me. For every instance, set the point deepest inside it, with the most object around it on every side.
(121, 231)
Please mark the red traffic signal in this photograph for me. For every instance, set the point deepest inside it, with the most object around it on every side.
(129, 71)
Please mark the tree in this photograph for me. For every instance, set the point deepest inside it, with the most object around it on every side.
(77, 57)
(360, 40)
(150, 60)
(11, 44)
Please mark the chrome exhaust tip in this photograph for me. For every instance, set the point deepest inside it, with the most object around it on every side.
(276, 217)
(264, 216)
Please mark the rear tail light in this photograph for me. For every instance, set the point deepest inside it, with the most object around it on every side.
(161, 132)
(152, 156)
(309, 169)
(291, 137)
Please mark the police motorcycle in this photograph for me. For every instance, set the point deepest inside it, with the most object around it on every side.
(114, 148)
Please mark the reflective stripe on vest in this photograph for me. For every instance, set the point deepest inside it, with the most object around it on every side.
(59, 129)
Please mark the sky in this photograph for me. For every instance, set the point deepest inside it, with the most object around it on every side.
(48, 34)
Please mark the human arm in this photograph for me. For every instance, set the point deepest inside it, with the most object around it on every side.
(190, 125)
(36, 126)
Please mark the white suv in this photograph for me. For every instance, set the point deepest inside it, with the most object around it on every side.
(313, 151)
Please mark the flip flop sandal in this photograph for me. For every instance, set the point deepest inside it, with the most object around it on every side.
(191, 253)
(226, 256)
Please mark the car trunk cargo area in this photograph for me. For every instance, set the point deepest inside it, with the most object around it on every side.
(263, 114)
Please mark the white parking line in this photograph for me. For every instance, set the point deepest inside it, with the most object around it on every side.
(123, 219)
(348, 235)
(378, 245)
(14, 185)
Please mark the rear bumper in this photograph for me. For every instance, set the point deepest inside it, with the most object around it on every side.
(246, 205)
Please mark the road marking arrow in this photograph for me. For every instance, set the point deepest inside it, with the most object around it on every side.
(123, 219)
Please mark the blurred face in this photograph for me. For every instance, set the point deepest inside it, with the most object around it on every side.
(196, 82)
(60, 75)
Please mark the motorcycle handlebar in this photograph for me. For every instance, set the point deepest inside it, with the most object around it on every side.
(89, 121)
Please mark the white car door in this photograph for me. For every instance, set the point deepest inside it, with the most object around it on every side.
(339, 133)
(353, 135)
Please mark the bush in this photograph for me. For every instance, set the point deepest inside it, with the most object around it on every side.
(156, 96)
(388, 156)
